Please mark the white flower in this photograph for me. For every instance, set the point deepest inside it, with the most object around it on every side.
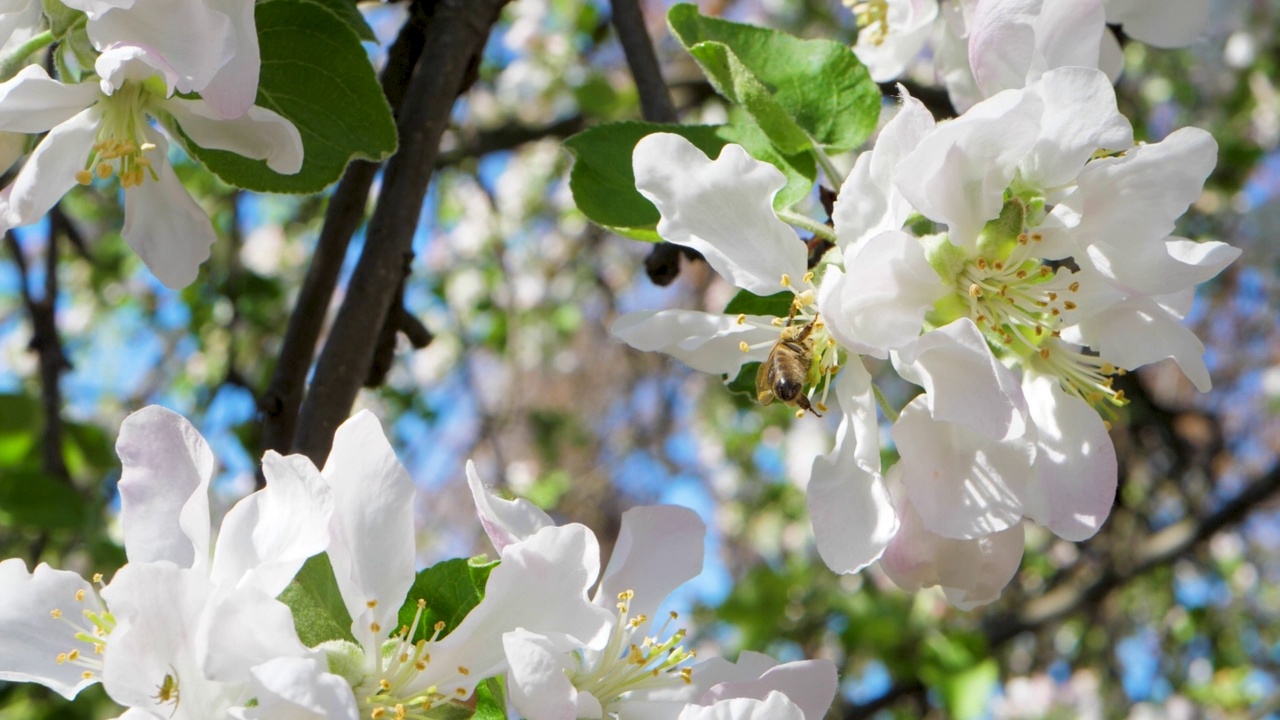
(185, 619)
(19, 19)
(1163, 23)
(892, 33)
(637, 668)
(221, 62)
(103, 129)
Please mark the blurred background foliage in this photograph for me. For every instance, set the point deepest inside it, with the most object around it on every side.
(1170, 612)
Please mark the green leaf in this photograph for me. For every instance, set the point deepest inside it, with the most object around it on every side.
(744, 383)
(351, 15)
(20, 420)
(797, 90)
(491, 700)
(967, 693)
(604, 185)
(315, 73)
(777, 305)
(449, 589)
(319, 614)
(33, 499)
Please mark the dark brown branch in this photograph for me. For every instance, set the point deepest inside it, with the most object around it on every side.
(508, 137)
(655, 97)
(456, 35)
(279, 404)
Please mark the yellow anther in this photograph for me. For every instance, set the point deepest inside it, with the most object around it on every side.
(103, 170)
(375, 627)
(73, 656)
(786, 280)
(1074, 287)
(1107, 424)
(1069, 305)
(439, 625)
(80, 595)
(686, 674)
(808, 277)
(975, 291)
(147, 147)
(674, 615)
(1037, 237)
(371, 604)
(998, 265)
(1021, 274)
(742, 318)
(84, 177)
(55, 613)
(1022, 238)
(799, 413)
(420, 666)
(1052, 295)
(1044, 353)
(743, 346)
(822, 407)
(421, 603)
(62, 658)
(462, 669)
(86, 675)
(385, 684)
(981, 263)
(97, 577)
(377, 713)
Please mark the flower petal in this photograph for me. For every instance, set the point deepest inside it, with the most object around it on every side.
(1138, 331)
(240, 628)
(164, 225)
(1075, 484)
(31, 638)
(775, 706)
(810, 684)
(132, 63)
(234, 87)
(371, 546)
(1080, 117)
(707, 342)
(51, 169)
(538, 681)
(289, 688)
(1013, 42)
(722, 208)
(257, 133)
(659, 548)
(887, 55)
(33, 102)
(963, 484)
(504, 521)
(1160, 268)
(198, 56)
(164, 488)
(268, 535)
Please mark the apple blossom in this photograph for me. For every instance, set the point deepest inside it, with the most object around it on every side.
(636, 668)
(892, 33)
(101, 129)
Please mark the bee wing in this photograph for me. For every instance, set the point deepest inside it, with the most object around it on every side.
(764, 388)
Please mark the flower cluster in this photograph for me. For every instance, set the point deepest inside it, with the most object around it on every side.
(1011, 262)
(192, 627)
(99, 118)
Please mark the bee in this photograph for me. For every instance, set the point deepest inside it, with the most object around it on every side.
(783, 374)
(167, 691)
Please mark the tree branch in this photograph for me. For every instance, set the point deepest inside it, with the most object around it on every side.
(279, 404)
(655, 97)
(455, 37)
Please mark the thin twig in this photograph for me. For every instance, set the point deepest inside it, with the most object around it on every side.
(655, 96)
(455, 37)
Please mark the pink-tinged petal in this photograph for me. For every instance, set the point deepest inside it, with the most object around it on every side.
(810, 684)
(164, 225)
(257, 133)
(882, 301)
(504, 521)
(290, 688)
(232, 90)
(240, 628)
(970, 572)
(539, 686)
(869, 203)
(51, 170)
(707, 342)
(1160, 268)
(1135, 199)
(164, 488)
(268, 535)
(32, 102)
(371, 533)
(659, 548)
(157, 607)
(775, 706)
(132, 63)
(1167, 24)
(951, 65)
(722, 208)
(963, 381)
(31, 638)
(963, 484)
(957, 175)
(95, 8)
(196, 55)
(1138, 331)
(1080, 117)
(541, 586)
(1075, 483)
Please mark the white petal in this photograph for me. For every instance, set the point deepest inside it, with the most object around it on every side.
(869, 203)
(51, 170)
(241, 628)
(31, 638)
(164, 488)
(1076, 468)
(95, 8)
(1160, 268)
(164, 225)
(970, 572)
(258, 133)
(267, 536)
(1013, 42)
(1080, 117)
(1168, 24)
(232, 90)
(881, 303)
(659, 548)
(963, 380)
(290, 688)
(722, 208)
(1138, 331)
(19, 20)
(197, 55)
(32, 102)
(963, 484)
(371, 545)
(810, 684)
(132, 63)
(707, 342)
(951, 65)
(504, 521)
(909, 26)
(539, 686)
(774, 707)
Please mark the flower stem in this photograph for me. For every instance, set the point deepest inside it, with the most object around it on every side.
(883, 402)
(807, 223)
(12, 64)
(834, 176)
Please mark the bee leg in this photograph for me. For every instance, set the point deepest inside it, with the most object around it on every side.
(803, 402)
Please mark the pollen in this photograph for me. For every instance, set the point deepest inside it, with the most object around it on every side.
(80, 595)
(371, 604)
(786, 280)
(742, 318)
(375, 627)
(55, 613)
(462, 669)
(744, 347)
(808, 277)
(84, 177)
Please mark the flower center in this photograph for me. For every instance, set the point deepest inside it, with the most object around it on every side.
(394, 690)
(873, 17)
(121, 144)
(631, 661)
(88, 629)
